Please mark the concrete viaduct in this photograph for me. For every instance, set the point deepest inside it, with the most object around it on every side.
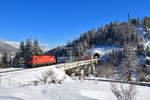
(81, 68)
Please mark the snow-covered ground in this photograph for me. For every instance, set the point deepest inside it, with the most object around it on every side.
(71, 89)
(103, 50)
(78, 90)
(28, 76)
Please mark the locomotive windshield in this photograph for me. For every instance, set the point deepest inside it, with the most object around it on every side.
(29, 59)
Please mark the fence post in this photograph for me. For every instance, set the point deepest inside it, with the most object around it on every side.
(93, 68)
(35, 83)
(0, 81)
(9, 82)
(82, 75)
(89, 70)
(73, 74)
(19, 84)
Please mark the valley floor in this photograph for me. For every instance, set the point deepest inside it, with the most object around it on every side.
(77, 90)
(16, 86)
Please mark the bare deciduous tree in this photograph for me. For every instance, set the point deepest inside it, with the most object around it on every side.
(124, 91)
(51, 77)
(106, 70)
(141, 76)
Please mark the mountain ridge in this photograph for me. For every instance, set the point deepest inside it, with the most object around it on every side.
(10, 47)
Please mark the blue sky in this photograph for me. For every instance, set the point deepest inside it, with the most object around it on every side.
(56, 21)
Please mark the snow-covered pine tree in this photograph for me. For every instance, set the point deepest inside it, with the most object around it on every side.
(129, 62)
(80, 49)
(69, 52)
(5, 60)
(22, 48)
(28, 49)
(36, 49)
(19, 59)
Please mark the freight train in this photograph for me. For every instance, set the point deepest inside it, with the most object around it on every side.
(35, 61)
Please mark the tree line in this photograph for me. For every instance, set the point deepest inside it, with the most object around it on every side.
(27, 49)
(116, 33)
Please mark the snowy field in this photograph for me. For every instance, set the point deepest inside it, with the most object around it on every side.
(71, 89)
(78, 90)
(28, 76)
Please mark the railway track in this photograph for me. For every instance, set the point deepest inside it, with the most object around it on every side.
(11, 71)
(8, 72)
(120, 81)
(65, 65)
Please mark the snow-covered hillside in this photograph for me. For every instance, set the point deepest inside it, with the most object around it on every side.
(144, 36)
(9, 47)
(45, 47)
(14, 44)
(103, 51)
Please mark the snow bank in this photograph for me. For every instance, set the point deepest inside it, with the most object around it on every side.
(95, 94)
(9, 69)
(78, 90)
(60, 75)
(74, 91)
(28, 76)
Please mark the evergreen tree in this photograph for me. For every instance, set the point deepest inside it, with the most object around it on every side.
(22, 49)
(128, 17)
(36, 49)
(70, 52)
(19, 59)
(129, 62)
(85, 44)
(80, 49)
(28, 49)
(5, 60)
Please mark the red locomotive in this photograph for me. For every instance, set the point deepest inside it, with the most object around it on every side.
(41, 60)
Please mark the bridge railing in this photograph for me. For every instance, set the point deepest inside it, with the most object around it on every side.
(75, 64)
